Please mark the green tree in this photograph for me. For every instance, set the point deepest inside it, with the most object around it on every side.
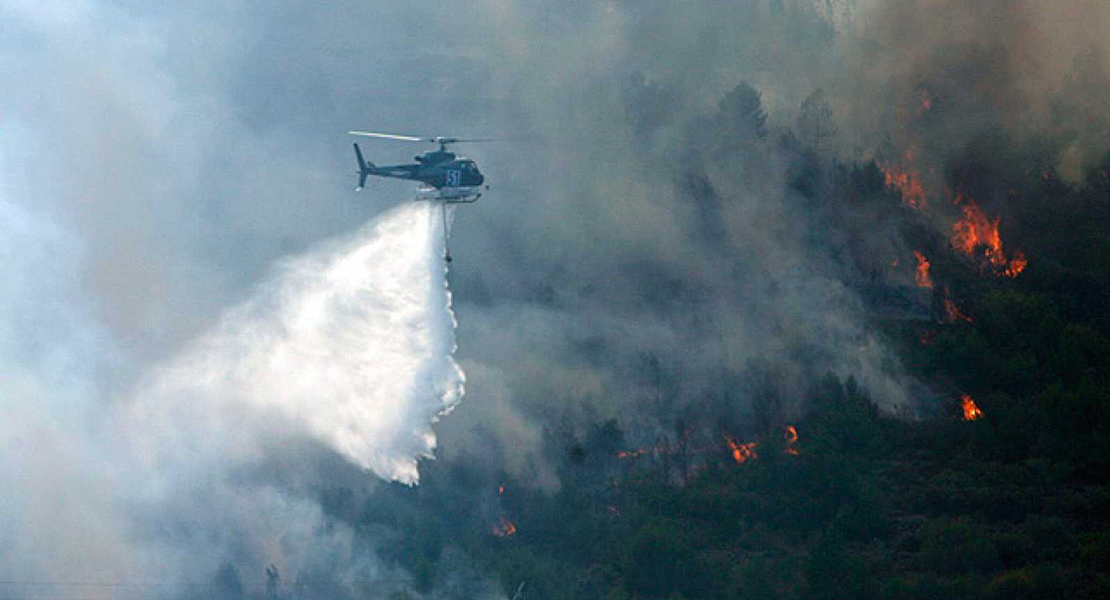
(957, 546)
(815, 122)
(742, 111)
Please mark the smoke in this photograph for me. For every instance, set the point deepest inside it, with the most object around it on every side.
(1033, 71)
(645, 257)
(213, 461)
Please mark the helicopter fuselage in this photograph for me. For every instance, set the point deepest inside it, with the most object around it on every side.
(440, 170)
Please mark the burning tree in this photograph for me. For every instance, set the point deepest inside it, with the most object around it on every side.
(970, 410)
(741, 453)
(906, 181)
(921, 275)
(975, 230)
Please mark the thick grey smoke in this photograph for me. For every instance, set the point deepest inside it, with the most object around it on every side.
(1031, 70)
(349, 345)
(642, 255)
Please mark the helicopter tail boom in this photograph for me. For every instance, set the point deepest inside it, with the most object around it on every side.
(364, 168)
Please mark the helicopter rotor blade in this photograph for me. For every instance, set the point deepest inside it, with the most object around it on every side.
(439, 139)
(470, 140)
(390, 136)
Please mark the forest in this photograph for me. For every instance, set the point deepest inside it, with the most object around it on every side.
(993, 490)
(763, 299)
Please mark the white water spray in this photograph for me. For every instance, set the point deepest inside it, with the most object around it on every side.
(350, 344)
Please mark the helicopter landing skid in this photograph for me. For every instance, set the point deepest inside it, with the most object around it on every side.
(458, 195)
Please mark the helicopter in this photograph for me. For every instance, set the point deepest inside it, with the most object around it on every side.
(443, 175)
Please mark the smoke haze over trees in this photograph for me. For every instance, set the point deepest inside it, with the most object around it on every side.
(708, 230)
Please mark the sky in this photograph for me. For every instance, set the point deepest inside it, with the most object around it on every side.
(159, 163)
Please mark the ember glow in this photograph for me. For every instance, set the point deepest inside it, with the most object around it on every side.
(1017, 265)
(975, 230)
(971, 411)
(926, 102)
(637, 453)
(791, 436)
(908, 183)
(921, 277)
(504, 527)
(952, 312)
(741, 453)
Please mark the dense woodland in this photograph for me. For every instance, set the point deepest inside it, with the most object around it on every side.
(847, 501)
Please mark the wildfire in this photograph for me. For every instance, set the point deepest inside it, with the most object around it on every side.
(504, 527)
(921, 277)
(742, 453)
(791, 436)
(1017, 265)
(976, 230)
(926, 102)
(500, 490)
(971, 411)
(632, 453)
(952, 312)
(907, 183)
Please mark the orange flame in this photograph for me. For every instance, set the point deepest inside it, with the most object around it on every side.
(976, 230)
(632, 453)
(971, 411)
(504, 527)
(742, 453)
(926, 102)
(791, 435)
(921, 278)
(907, 183)
(500, 490)
(1017, 265)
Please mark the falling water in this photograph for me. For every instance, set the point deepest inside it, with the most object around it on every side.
(351, 344)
